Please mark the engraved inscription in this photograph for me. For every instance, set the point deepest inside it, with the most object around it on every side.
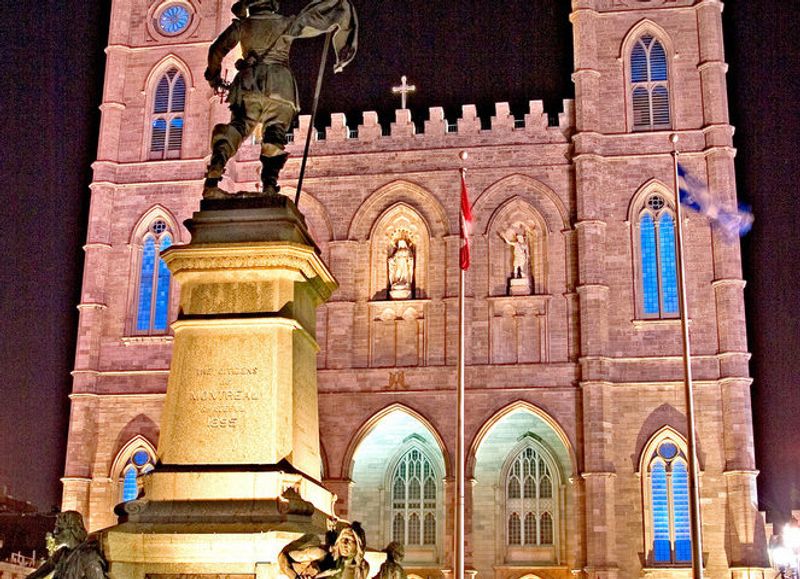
(224, 402)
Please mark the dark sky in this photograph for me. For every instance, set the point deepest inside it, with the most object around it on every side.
(456, 53)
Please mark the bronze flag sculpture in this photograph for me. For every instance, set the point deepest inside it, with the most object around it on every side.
(264, 90)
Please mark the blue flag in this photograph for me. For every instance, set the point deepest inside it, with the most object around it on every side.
(696, 196)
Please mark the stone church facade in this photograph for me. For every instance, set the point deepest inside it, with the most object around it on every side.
(576, 431)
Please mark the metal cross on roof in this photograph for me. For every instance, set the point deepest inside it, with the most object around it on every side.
(404, 90)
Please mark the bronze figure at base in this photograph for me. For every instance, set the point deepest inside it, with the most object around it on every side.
(76, 555)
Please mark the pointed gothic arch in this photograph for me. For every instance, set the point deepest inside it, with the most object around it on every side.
(541, 197)
(571, 466)
(368, 425)
(166, 99)
(647, 52)
(167, 62)
(664, 474)
(397, 475)
(651, 215)
(151, 296)
(517, 215)
(136, 458)
(401, 190)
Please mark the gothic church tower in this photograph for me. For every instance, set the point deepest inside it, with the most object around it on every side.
(645, 69)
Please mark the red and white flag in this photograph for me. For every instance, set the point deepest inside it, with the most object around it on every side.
(466, 223)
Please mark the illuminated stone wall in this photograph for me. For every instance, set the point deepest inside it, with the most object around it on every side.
(594, 379)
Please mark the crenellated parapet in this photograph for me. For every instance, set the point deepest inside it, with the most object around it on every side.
(535, 126)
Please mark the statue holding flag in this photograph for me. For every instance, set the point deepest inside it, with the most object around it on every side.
(264, 90)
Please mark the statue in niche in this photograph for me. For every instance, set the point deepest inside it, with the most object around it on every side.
(305, 558)
(391, 568)
(401, 271)
(75, 554)
(520, 281)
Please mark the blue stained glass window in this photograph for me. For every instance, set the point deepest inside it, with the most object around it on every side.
(140, 458)
(649, 265)
(174, 19)
(130, 488)
(680, 506)
(669, 275)
(662, 551)
(162, 289)
(146, 285)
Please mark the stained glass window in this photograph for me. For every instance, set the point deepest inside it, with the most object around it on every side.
(530, 499)
(169, 104)
(658, 267)
(141, 462)
(174, 19)
(414, 493)
(152, 311)
(649, 85)
(669, 505)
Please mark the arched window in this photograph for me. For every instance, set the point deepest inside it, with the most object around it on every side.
(531, 505)
(414, 493)
(658, 260)
(649, 76)
(166, 136)
(668, 492)
(153, 295)
(140, 462)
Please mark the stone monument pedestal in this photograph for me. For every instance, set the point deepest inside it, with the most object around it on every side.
(239, 457)
(519, 286)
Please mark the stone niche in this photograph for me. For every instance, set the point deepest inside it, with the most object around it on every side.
(399, 223)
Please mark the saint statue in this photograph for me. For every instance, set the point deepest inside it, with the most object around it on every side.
(264, 91)
(521, 255)
(75, 555)
(401, 271)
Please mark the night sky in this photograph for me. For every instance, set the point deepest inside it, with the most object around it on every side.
(468, 52)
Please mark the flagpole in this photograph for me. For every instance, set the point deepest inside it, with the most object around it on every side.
(694, 481)
(458, 551)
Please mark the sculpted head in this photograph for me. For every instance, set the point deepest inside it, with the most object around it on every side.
(69, 530)
(395, 551)
(350, 544)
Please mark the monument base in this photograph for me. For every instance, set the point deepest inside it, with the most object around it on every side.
(239, 458)
(519, 286)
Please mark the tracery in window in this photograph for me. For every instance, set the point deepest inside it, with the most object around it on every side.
(152, 309)
(668, 486)
(169, 103)
(141, 462)
(531, 507)
(649, 90)
(414, 500)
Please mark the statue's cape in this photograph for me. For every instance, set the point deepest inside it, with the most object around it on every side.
(337, 16)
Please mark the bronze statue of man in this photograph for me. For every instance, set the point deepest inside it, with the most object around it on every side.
(264, 90)
(76, 556)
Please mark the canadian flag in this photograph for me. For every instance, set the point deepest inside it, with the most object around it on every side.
(466, 223)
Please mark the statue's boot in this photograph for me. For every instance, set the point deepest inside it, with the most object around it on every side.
(270, 169)
(225, 140)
